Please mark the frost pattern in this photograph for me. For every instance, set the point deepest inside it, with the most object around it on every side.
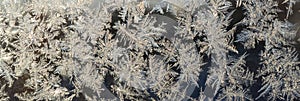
(149, 50)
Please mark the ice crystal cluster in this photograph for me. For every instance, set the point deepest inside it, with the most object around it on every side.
(170, 50)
